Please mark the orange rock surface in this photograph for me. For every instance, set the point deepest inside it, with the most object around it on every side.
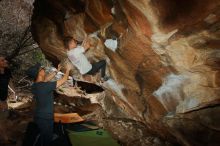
(166, 66)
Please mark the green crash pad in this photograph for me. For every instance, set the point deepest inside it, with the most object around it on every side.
(98, 137)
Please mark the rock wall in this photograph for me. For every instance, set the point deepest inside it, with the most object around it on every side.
(166, 68)
(16, 41)
(15, 17)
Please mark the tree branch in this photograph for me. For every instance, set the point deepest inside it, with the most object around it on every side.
(20, 45)
(26, 51)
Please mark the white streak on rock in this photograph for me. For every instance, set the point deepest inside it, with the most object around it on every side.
(111, 44)
(187, 104)
(113, 10)
(114, 86)
(171, 91)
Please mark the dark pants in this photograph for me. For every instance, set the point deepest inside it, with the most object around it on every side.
(3, 94)
(101, 65)
(46, 130)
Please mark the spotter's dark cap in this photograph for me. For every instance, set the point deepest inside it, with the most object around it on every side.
(33, 71)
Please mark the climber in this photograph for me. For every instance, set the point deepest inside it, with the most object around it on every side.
(76, 55)
(42, 90)
(5, 75)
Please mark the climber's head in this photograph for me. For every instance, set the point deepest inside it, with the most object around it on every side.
(70, 43)
(3, 62)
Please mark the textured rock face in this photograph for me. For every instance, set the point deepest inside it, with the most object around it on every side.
(167, 66)
(16, 41)
(15, 17)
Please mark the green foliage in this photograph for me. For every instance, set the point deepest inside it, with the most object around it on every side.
(38, 56)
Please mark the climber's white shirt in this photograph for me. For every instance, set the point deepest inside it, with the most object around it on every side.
(78, 59)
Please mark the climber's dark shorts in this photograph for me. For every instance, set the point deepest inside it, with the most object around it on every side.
(101, 65)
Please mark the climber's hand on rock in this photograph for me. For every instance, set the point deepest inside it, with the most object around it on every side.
(59, 67)
(86, 44)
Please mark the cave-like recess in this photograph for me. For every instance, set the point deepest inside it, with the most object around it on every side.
(166, 65)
